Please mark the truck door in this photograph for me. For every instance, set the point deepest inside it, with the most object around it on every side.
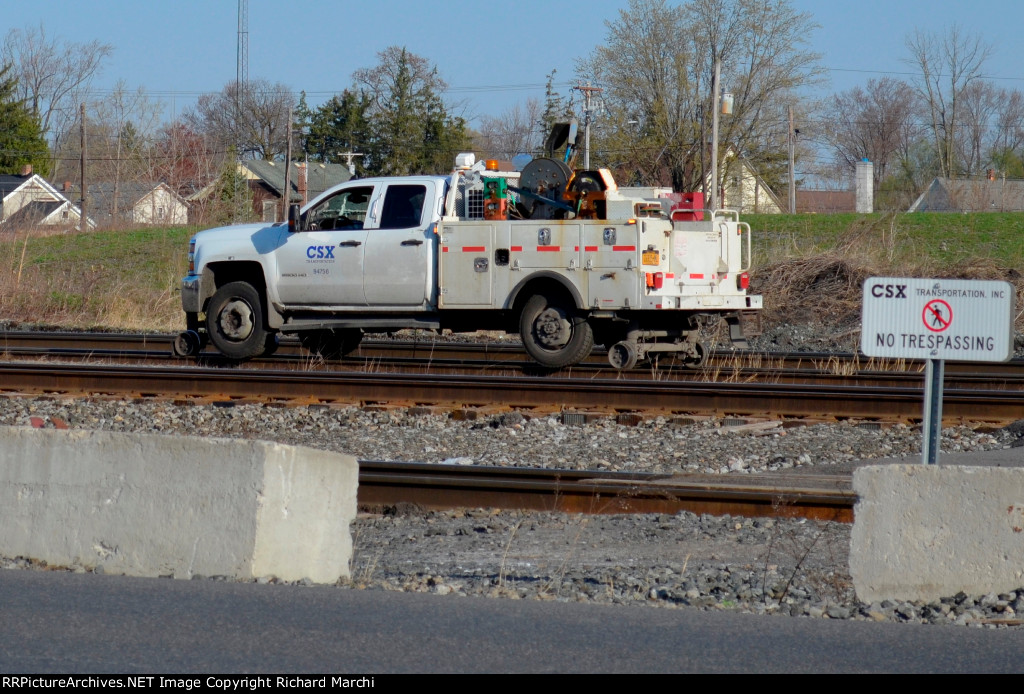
(322, 264)
(400, 246)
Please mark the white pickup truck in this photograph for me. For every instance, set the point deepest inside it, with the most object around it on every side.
(563, 258)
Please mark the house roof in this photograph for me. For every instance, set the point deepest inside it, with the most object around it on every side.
(962, 195)
(319, 177)
(10, 183)
(34, 212)
(826, 201)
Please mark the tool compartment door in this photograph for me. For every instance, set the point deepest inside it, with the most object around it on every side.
(551, 244)
(697, 262)
(610, 256)
(466, 265)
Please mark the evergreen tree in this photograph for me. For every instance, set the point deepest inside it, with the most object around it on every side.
(21, 141)
(338, 128)
(411, 130)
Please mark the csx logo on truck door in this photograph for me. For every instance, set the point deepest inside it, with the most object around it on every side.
(889, 291)
(320, 252)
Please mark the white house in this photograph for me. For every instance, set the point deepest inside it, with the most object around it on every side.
(28, 201)
(742, 188)
(136, 203)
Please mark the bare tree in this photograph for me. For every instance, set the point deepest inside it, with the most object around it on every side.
(121, 128)
(657, 64)
(53, 75)
(977, 134)
(949, 64)
(644, 65)
(515, 131)
(876, 122)
(1010, 121)
(255, 119)
(182, 158)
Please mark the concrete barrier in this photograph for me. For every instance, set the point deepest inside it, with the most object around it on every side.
(923, 532)
(146, 505)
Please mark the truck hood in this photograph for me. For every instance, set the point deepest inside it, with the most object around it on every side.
(233, 240)
(235, 232)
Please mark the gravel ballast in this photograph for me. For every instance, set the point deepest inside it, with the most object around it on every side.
(784, 567)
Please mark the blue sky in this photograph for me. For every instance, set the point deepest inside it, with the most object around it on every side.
(491, 60)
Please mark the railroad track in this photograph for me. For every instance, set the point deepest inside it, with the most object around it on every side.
(394, 356)
(993, 397)
(550, 393)
(437, 486)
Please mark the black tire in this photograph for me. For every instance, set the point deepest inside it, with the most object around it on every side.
(553, 334)
(331, 344)
(234, 321)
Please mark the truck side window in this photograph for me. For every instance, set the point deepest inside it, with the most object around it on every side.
(403, 206)
(346, 210)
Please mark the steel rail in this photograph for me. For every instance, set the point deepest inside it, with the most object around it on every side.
(554, 391)
(437, 486)
(799, 371)
(114, 345)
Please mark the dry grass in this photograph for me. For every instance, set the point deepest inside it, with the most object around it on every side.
(810, 268)
(124, 280)
(826, 288)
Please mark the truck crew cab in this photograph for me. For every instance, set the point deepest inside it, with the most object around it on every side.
(563, 258)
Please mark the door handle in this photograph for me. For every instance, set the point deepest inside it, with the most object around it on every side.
(351, 244)
(412, 242)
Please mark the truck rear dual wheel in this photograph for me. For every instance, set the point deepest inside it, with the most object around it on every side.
(234, 322)
(331, 344)
(553, 334)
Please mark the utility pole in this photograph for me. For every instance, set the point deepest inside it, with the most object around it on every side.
(349, 156)
(588, 91)
(288, 166)
(714, 135)
(792, 166)
(241, 83)
(703, 150)
(82, 202)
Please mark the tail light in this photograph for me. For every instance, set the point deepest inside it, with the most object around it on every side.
(655, 280)
(743, 280)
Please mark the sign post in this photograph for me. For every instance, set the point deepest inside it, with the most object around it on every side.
(936, 320)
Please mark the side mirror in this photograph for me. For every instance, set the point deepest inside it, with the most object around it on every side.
(294, 219)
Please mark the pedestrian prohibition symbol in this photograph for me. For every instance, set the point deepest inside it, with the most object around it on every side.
(937, 315)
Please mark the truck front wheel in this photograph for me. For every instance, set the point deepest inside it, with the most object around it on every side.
(234, 321)
(553, 334)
